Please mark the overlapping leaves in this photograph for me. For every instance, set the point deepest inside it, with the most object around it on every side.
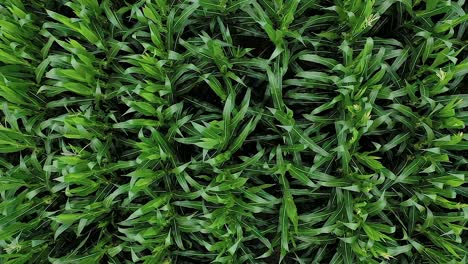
(233, 131)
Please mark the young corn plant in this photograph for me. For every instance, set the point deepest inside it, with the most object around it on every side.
(233, 131)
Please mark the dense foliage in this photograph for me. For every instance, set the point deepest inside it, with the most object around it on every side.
(233, 131)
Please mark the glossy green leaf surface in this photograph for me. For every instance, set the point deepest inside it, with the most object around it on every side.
(233, 131)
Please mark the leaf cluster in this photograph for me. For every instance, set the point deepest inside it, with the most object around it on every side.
(233, 131)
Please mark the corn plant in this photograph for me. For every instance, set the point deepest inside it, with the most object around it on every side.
(233, 131)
